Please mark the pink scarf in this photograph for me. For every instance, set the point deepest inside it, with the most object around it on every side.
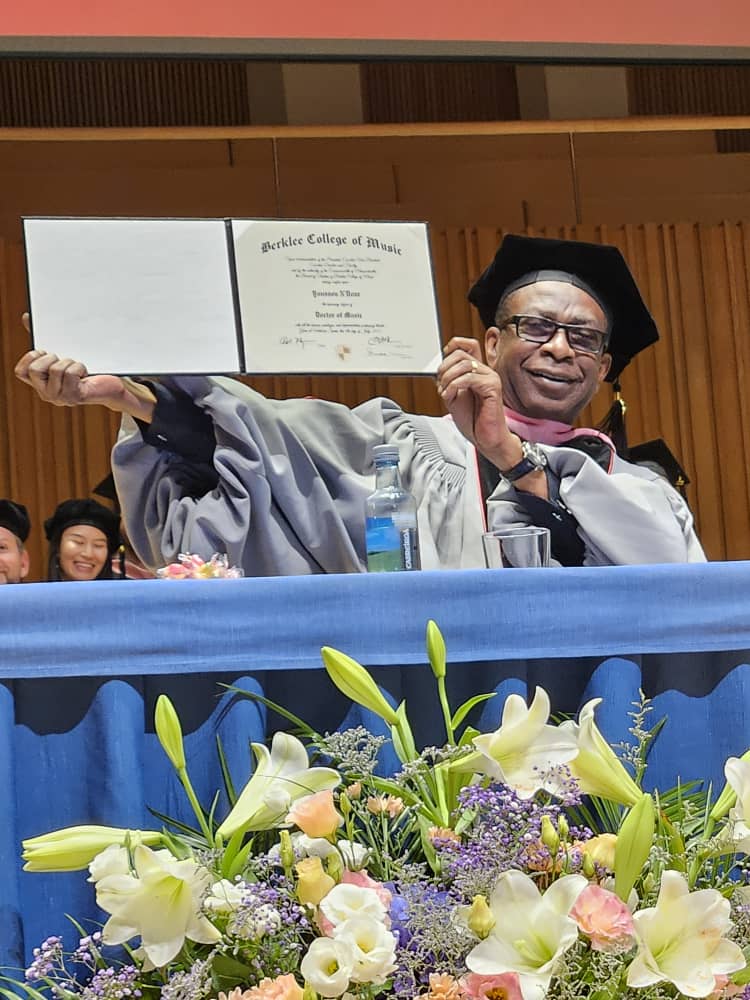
(552, 432)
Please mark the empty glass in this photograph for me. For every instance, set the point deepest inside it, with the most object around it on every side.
(515, 548)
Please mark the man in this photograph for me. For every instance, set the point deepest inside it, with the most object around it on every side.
(14, 530)
(206, 464)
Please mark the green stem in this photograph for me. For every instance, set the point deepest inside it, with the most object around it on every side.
(442, 695)
(193, 798)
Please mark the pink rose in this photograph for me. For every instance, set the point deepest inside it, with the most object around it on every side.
(481, 987)
(316, 814)
(604, 918)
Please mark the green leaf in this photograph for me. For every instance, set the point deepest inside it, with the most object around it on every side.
(463, 710)
(227, 972)
(303, 729)
(467, 736)
(225, 773)
(402, 736)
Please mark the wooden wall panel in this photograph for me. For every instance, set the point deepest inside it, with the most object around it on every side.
(515, 180)
(438, 91)
(44, 93)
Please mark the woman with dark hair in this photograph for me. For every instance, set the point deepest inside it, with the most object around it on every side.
(83, 537)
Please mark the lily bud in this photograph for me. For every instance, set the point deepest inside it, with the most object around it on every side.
(334, 866)
(75, 847)
(436, 649)
(286, 851)
(634, 845)
(587, 866)
(550, 837)
(354, 681)
(480, 920)
(169, 731)
(309, 993)
(562, 828)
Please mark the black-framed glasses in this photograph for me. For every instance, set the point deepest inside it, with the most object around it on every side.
(540, 329)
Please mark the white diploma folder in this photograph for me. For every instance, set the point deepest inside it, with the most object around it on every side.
(255, 296)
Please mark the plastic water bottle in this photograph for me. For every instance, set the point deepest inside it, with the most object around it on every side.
(391, 517)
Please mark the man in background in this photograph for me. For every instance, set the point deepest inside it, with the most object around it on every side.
(14, 530)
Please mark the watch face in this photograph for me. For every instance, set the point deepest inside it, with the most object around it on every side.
(534, 453)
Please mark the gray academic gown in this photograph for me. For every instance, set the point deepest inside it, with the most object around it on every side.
(293, 476)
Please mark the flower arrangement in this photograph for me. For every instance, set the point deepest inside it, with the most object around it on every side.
(514, 865)
(192, 567)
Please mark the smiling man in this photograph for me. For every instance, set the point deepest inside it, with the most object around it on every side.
(561, 318)
(209, 465)
(14, 530)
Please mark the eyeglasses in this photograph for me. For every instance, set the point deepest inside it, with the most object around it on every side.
(538, 330)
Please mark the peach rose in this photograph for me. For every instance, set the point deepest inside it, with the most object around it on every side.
(281, 988)
(316, 814)
(604, 919)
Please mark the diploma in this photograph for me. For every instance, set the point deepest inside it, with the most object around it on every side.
(254, 296)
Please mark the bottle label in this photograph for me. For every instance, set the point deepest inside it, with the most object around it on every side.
(391, 547)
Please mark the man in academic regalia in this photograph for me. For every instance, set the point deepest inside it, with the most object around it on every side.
(207, 464)
(14, 530)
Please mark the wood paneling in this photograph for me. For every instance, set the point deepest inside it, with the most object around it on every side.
(438, 91)
(44, 93)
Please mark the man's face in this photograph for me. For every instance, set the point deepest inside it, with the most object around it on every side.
(14, 559)
(547, 381)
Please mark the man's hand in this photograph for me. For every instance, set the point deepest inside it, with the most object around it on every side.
(473, 395)
(64, 382)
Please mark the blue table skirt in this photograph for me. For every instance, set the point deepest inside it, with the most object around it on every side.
(82, 666)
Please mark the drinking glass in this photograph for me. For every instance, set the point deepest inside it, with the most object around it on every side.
(514, 548)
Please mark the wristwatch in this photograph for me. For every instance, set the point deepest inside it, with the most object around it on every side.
(533, 458)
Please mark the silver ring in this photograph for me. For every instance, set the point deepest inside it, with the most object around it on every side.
(474, 366)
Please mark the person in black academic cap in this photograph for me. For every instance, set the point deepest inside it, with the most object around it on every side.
(83, 537)
(14, 530)
(208, 465)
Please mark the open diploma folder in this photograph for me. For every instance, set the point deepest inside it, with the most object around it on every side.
(209, 296)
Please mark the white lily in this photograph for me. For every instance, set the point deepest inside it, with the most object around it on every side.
(737, 773)
(281, 775)
(524, 752)
(531, 930)
(596, 767)
(160, 903)
(681, 939)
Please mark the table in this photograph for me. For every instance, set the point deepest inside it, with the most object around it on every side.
(81, 667)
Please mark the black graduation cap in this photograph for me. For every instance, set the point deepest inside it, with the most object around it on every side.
(106, 490)
(15, 518)
(85, 511)
(601, 271)
(656, 454)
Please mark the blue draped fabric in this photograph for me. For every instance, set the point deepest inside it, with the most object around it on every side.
(81, 667)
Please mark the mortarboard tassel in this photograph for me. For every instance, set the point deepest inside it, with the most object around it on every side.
(613, 424)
